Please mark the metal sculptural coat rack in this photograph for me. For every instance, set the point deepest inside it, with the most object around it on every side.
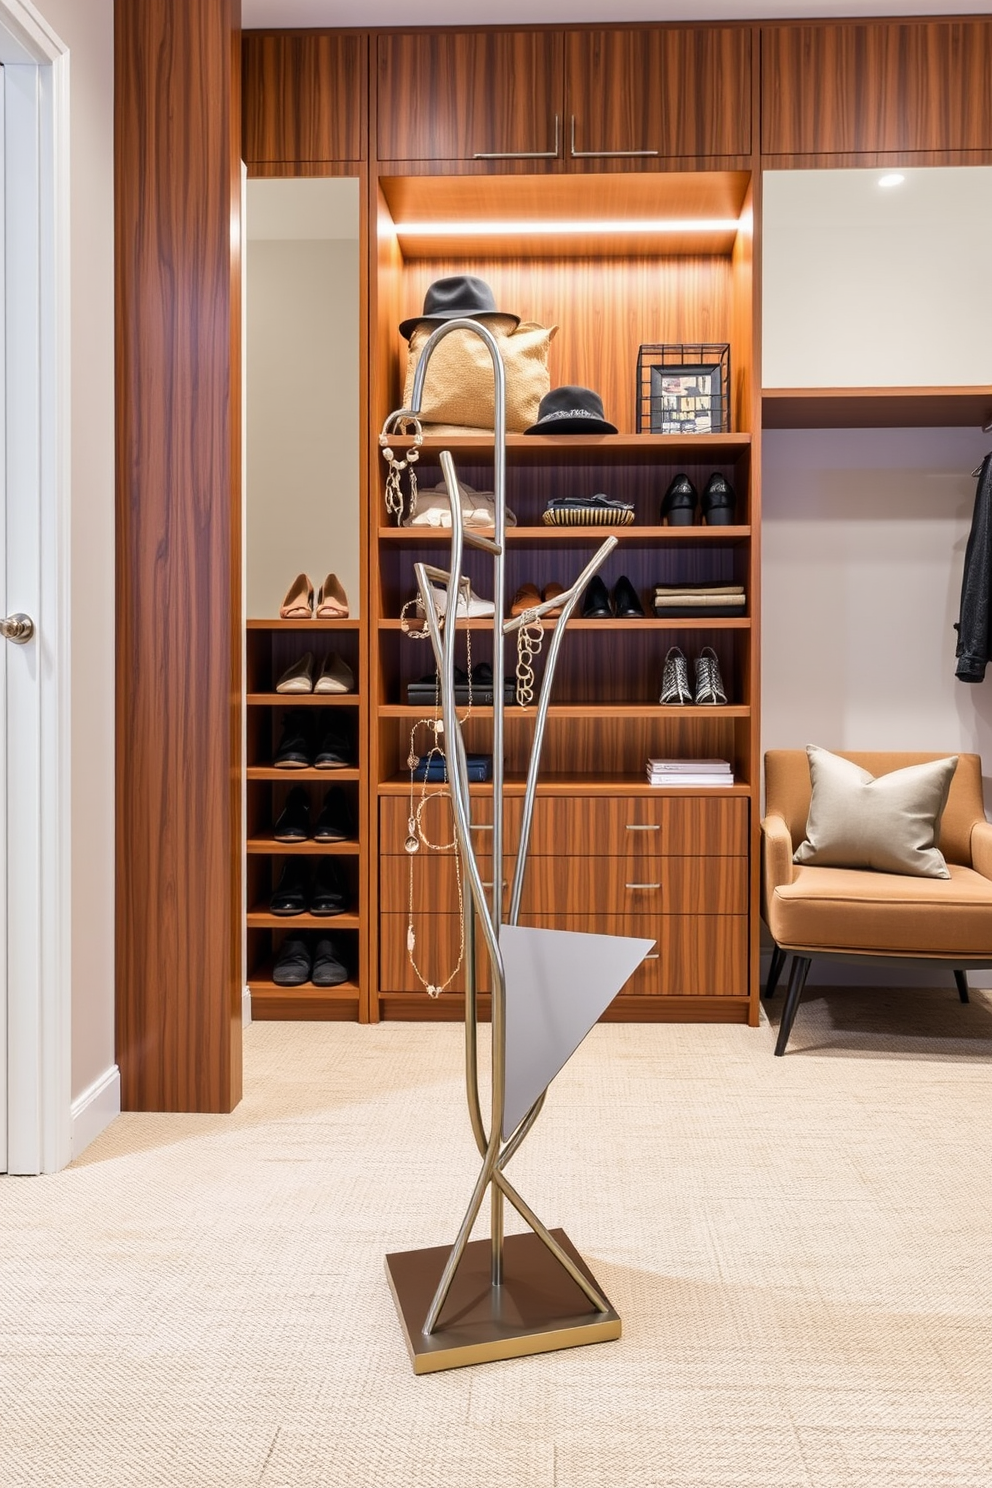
(530, 1292)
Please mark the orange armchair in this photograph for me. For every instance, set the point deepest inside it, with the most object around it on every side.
(852, 913)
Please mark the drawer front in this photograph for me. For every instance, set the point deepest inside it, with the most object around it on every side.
(612, 825)
(559, 886)
(436, 952)
(438, 823)
(596, 826)
(693, 956)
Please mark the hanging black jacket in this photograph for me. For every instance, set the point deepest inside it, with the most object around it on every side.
(974, 639)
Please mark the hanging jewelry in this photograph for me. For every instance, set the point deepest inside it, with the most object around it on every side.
(399, 424)
(530, 639)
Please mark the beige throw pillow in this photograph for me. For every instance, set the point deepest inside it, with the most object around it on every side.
(458, 389)
(890, 823)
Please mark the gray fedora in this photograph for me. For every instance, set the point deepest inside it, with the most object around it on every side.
(571, 410)
(457, 297)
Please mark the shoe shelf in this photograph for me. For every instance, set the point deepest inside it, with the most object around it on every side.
(581, 449)
(646, 622)
(307, 848)
(273, 772)
(277, 627)
(428, 537)
(260, 915)
(582, 710)
(272, 1003)
(593, 784)
(302, 699)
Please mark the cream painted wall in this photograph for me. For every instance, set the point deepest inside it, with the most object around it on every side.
(87, 27)
(864, 286)
(302, 494)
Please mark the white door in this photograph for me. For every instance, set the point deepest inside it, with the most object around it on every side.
(3, 676)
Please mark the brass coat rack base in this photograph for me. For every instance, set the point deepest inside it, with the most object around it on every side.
(537, 1309)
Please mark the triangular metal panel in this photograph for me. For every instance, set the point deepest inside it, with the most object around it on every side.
(558, 984)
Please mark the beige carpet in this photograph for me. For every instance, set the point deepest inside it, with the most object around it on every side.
(800, 1249)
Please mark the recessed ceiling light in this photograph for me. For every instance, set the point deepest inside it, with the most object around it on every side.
(895, 179)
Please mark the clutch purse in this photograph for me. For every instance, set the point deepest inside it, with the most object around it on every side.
(588, 511)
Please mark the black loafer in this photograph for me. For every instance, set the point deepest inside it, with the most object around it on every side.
(335, 748)
(718, 501)
(293, 963)
(330, 892)
(289, 897)
(626, 605)
(334, 822)
(596, 600)
(678, 505)
(295, 750)
(293, 822)
(328, 968)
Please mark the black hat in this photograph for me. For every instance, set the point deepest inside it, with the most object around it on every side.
(571, 410)
(455, 297)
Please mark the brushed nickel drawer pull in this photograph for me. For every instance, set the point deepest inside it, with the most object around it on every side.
(489, 885)
(654, 956)
(643, 827)
(480, 826)
(522, 154)
(642, 885)
(605, 154)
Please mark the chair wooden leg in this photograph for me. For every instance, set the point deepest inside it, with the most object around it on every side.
(779, 959)
(961, 977)
(797, 981)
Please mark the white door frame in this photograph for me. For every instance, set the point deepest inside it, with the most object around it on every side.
(36, 301)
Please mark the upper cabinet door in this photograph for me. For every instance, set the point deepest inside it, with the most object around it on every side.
(470, 95)
(643, 94)
(884, 85)
(304, 96)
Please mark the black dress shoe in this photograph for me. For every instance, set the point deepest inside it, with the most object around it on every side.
(718, 501)
(328, 968)
(626, 605)
(334, 823)
(335, 748)
(293, 963)
(295, 750)
(293, 822)
(596, 600)
(289, 897)
(330, 892)
(678, 505)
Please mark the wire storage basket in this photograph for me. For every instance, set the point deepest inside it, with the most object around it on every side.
(683, 389)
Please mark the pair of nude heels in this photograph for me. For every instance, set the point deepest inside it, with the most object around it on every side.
(332, 602)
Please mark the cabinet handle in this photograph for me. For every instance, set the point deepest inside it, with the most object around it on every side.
(480, 826)
(490, 884)
(604, 154)
(642, 886)
(522, 154)
(643, 827)
(654, 956)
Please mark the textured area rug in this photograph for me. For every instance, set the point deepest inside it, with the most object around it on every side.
(799, 1250)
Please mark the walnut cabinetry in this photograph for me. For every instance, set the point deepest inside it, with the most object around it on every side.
(604, 99)
(881, 86)
(304, 98)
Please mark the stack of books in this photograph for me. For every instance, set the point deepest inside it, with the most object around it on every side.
(695, 772)
(684, 601)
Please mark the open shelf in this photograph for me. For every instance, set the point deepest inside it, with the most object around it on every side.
(586, 785)
(301, 699)
(329, 777)
(585, 710)
(267, 845)
(432, 537)
(646, 622)
(876, 407)
(583, 449)
(259, 917)
(279, 625)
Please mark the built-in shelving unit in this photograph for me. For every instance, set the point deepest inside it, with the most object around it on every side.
(876, 407)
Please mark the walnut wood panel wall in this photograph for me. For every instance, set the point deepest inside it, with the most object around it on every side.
(179, 629)
(879, 86)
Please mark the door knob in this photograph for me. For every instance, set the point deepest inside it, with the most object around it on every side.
(17, 628)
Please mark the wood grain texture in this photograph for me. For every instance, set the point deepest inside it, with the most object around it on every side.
(876, 407)
(676, 90)
(408, 1007)
(304, 97)
(177, 194)
(900, 85)
(579, 883)
(450, 95)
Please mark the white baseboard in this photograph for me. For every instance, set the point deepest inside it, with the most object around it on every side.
(246, 1007)
(856, 974)
(94, 1110)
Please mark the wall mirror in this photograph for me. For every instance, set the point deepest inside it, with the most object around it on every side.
(302, 387)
